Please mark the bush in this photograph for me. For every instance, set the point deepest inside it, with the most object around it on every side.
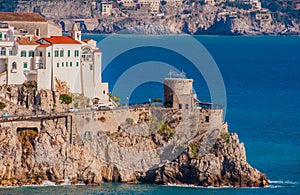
(65, 99)
(129, 121)
(194, 150)
(2, 105)
(157, 100)
(30, 84)
(168, 104)
(164, 129)
(114, 98)
(225, 136)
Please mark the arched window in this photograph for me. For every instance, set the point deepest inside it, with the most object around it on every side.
(86, 54)
(14, 67)
(3, 51)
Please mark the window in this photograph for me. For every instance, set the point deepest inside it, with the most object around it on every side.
(61, 53)
(103, 92)
(91, 67)
(206, 119)
(77, 64)
(14, 66)
(76, 53)
(25, 65)
(69, 53)
(71, 64)
(41, 53)
(86, 54)
(3, 51)
(67, 64)
(0, 35)
(49, 54)
(186, 106)
(57, 65)
(37, 32)
(180, 106)
(31, 53)
(23, 53)
(56, 53)
(62, 64)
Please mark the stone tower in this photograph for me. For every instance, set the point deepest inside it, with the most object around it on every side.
(178, 93)
(75, 33)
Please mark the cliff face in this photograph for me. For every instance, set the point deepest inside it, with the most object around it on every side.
(224, 165)
(188, 17)
(31, 156)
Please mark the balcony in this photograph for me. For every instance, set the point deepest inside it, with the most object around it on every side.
(29, 72)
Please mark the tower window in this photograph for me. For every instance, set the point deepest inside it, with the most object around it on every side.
(186, 106)
(179, 106)
(207, 119)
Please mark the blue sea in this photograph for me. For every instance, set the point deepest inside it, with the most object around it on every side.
(261, 76)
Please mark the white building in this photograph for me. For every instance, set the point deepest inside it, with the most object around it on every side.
(46, 59)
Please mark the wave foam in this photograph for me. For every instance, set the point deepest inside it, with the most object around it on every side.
(287, 182)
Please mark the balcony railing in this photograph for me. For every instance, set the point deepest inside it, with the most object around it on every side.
(27, 72)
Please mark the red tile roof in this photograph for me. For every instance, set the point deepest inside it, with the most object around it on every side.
(97, 50)
(44, 45)
(21, 16)
(25, 41)
(61, 40)
(86, 40)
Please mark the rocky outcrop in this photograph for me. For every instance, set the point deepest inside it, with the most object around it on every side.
(224, 165)
(31, 157)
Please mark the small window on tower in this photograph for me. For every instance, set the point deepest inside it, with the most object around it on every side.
(207, 119)
(180, 106)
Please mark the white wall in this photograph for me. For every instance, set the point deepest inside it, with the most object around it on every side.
(69, 74)
(19, 77)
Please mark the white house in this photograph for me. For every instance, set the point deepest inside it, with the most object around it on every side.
(66, 58)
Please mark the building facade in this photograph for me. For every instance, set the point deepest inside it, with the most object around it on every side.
(47, 59)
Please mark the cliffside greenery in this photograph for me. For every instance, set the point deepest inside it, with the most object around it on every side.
(2, 105)
(65, 99)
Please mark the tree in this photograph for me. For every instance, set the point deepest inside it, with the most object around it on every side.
(157, 100)
(65, 99)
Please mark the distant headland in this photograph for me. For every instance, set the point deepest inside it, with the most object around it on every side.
(212, 17)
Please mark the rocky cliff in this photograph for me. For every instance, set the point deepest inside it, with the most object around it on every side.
(191, 17)
(150, 151)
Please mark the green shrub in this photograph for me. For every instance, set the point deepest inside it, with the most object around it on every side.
(115, 98)
(168, 104)
(129, 121)
(194, 150)
(157, 100)
(225, 136)
(164, 129)
(30, 84)
(2, 105)
(65, 99)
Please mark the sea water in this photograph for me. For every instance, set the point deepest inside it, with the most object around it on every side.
(262, 80)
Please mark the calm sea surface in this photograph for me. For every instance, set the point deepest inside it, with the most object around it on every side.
(262, 80)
